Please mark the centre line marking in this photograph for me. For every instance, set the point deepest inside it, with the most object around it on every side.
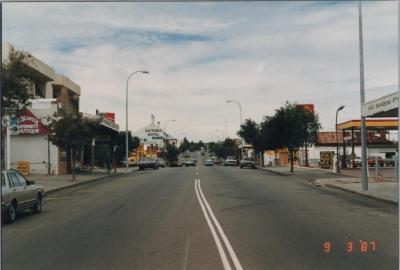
(221, 250)
(228, 245)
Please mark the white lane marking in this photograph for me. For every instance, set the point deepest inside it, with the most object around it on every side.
(213, 232)
(185, 259)
(235, 260)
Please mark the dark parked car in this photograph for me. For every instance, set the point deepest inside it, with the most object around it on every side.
(248, 162)
(389, 162)
(147, 163)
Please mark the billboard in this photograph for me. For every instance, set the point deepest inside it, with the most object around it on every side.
(308, 107)
(28, 124)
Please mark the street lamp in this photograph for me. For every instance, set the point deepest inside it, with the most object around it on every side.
(218, 130)
(241, 118)
(126, 112)
(337, 140)
(165, 142)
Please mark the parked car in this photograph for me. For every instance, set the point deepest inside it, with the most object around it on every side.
(160, 162)
(209, 162)
(147, 163)
(389, 162)
(132, 162)
(248, 162)
(357, 162)
(195, 161)
(188, 163)
(230, 161)
(19, 194)
(371, 161)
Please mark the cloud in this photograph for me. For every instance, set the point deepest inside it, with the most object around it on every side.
(201, 54)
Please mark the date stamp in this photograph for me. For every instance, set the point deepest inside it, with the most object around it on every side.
(362, 246)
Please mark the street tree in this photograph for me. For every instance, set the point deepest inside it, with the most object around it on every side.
(120, 142)
(172, 153)
(250, 131)
(292, 127)
(16, 86)
(71, 133)
(17, 80)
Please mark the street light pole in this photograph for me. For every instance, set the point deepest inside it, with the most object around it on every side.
(364, 166)
(165, 141)
(337, 140)
(241, 118)
(223, 137)
(126, 114)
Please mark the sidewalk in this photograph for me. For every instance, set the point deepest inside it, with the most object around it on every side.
(285, 170)
(52, 183)
(385, 189)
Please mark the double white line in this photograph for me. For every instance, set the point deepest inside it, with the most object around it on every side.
(209, 215)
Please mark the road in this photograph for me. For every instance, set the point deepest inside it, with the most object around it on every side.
(160, 220)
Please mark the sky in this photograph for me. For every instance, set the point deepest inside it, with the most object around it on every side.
(200, 55)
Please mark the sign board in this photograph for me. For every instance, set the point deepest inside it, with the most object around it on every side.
(154, 133)
(380, 106)
(326, 159)
(28, 124)
(23, 167)
(308, 107)
(110, 116)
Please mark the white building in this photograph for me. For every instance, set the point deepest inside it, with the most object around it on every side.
(153, 134)
(52, 93)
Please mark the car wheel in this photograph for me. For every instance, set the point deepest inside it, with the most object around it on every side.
(37, 207)
(12, 213)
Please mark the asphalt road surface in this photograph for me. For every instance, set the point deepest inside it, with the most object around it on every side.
(204, 218)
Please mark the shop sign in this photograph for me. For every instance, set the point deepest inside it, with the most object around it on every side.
(154, 133)
(326, 159)
(28, 124)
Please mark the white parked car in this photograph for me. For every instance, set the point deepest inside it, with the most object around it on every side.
(19, 194)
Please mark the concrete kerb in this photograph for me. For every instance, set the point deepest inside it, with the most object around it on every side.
(362, 194)
(275, 172)
(47, 192)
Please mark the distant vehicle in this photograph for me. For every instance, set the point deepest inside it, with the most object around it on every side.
(202, 152)
(160, 162)
(147, 163)
(186, 154)
(189, 163)
(19, 194)
(248, 162)
(209, 162)
(371, 161)
(357, 162)
(132, 162)
(390, 162)
(217, 161)
(230, 161)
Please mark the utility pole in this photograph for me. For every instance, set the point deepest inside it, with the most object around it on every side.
(364, 166)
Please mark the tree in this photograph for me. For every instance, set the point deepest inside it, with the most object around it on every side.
(120, 142)
(172, 153)
(17, 80)
(250, 131)
(293, 126)
(184, 146)
(72, 132)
